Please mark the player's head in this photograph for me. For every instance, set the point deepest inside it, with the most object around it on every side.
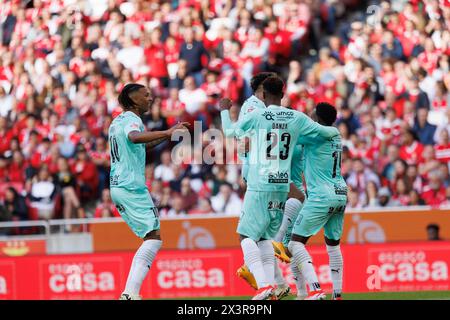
(326, 114)
(273, 90)
(136, 97)
(257, 81)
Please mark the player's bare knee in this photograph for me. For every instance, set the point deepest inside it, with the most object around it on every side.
(242, 237)
(298, 238)
(153, 235)
(294, 192)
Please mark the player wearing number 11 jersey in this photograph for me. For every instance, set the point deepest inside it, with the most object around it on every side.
(327, 197)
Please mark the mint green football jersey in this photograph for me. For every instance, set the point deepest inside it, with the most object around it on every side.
(229, 128)
(275, 131)
(127, 158)
(323, 169)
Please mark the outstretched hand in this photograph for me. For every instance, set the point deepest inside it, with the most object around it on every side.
(179, 126)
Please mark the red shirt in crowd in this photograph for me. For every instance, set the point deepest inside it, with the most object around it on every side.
(412, 154)
(442, 152)
(156, 60)
(86, 173)
(433, 197)
(106, 206)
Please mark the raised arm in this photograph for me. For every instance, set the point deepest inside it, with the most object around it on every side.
(229, 127)
(239, 128)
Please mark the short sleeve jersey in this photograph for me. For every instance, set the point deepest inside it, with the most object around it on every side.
(127, 158)
(275, 133)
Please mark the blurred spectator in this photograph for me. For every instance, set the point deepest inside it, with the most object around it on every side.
(349, 119)
(423, 129)
(67, 185)
(101, 158)
(411, 150)
(415, 199)
(15, 204)
(187, 194)
(106, 208)
(86, 175)
(204, 206)
(434, 192)
(226, 201)
(176, 207)
(193, 51)
(385, 199)
(42, 194)
(165, 171)
(360, 176)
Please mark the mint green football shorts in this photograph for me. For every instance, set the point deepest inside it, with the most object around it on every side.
(317, 214)
(262, 214)
(137, 209)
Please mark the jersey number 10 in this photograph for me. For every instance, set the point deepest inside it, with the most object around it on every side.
(114, 149)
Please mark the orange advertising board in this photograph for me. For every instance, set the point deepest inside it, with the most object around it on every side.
(220, 232)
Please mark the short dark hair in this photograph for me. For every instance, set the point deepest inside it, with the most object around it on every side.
(258, 79)
(412, 133)
(124, 96)
(274, 86)
(433, 226)
(326, 112)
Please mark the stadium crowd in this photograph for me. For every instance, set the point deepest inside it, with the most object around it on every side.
(63, 62)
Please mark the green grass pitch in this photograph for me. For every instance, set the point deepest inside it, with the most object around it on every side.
(419, 295)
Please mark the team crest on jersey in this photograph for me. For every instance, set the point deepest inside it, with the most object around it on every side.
(269, 116)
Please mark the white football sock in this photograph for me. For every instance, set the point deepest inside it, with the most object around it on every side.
(336, 267)
(291, 211)
(299, 279)
(252, 258)
(268, 259)
(142, 262)
(302, 259)
(279, 279)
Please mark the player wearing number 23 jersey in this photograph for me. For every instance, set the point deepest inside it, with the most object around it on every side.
(277, 130)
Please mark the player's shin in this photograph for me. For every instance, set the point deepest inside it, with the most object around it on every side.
(302, 259)
(268, 260)
(140, 266)
(336, 269)
(291, 211)
(252, 258)
(279, 279)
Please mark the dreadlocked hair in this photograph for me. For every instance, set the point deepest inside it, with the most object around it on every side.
(124, 96)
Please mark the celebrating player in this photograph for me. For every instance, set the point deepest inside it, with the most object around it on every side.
(127, 139)
(254, 102)
(327, 197)
(278, 130)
